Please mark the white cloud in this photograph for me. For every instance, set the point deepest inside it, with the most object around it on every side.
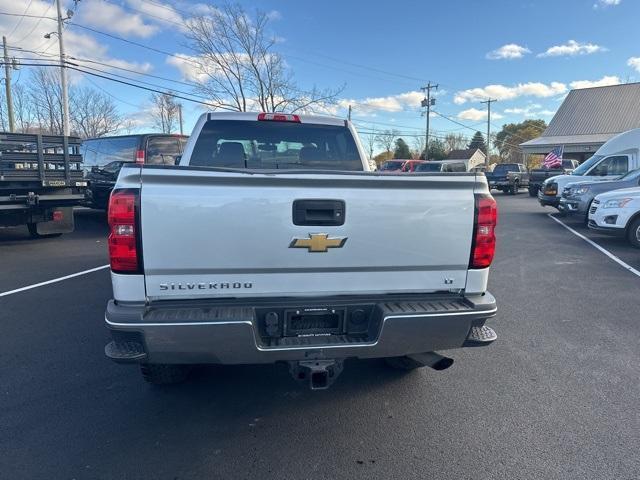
(529, 89)
(508, 52)
(634, 62)
(189, 66)
(475, 115)
(572, 48)
(115, 19)
(158, 12)
(529, 111)
(503, 92)
(85, 46)
(606, 3)
(391, 103)
(274, 15)
(603, 82)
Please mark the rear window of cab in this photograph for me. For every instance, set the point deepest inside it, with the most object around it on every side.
(275, 145)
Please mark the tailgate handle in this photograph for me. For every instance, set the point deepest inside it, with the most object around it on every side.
(319, 213)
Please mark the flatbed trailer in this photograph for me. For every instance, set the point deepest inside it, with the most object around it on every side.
(41, 180)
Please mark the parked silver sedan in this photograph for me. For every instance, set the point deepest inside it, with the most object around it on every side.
(577, 197)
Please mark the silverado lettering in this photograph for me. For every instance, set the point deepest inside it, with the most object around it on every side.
(204, 286)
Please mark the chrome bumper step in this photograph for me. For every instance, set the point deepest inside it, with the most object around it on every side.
(480, 336)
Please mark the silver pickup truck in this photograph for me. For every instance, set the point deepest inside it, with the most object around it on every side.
(271, 241)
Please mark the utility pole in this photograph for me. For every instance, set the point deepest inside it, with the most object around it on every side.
(349, 115)
(63, 75)
(7, 84)
(180, 118)
(428, 102)
(488, 102)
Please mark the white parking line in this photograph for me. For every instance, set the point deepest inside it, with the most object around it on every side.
(594, 244)
(55, 280)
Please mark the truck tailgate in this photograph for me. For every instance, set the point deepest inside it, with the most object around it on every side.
(211, 234)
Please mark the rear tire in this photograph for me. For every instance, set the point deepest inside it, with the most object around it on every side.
(405, 364)
(633, 233)
(33, 231)
(164, 374)
(515, 188)
(533, 191)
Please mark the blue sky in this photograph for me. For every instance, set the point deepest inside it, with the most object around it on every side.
(527, 54)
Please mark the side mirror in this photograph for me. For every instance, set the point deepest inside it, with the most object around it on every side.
(177, 159)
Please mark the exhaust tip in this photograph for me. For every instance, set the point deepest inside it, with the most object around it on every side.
(442, 364)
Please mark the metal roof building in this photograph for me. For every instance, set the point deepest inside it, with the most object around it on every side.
(587, 118)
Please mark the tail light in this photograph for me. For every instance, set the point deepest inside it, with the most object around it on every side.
(484, 232)
(124, 251)
(140, 156)
(278, 117)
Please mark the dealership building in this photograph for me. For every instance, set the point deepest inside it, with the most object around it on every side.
(587, 118)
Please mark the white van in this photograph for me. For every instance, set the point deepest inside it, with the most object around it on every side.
(616, 157)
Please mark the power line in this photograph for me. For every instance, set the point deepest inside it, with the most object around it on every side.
(171, 94)
(36, 25)
(366, 67)
(21, 18)
(24, 15)
(147, 14)
(141, 45)
(109, 65)
(110, 94)
(170, 8)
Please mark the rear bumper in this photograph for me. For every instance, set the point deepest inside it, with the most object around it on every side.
(229, 334)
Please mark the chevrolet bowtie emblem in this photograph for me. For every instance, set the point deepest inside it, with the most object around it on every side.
(318, 242)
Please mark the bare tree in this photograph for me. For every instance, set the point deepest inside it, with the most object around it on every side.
(455, 141)
(23, 109)
(164, 112)
(370, 143)
(240, 68)
(386, 139)
(94, 113)
(419, 143)
(46, 98)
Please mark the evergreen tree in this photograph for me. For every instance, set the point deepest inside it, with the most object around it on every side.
(402, 150)
(437, 150)
(478, 142)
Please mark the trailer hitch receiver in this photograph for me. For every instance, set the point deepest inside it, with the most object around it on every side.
(318, 374)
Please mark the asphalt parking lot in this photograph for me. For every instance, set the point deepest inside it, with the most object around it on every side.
(555, 398)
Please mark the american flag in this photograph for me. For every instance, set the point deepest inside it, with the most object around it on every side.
(553, 158)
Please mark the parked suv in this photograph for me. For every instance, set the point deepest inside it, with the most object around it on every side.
(617, 213)
(103, 158)
(577, 197)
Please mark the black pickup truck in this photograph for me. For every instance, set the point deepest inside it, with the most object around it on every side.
(41, 180)
(537, 176)
(508, 177)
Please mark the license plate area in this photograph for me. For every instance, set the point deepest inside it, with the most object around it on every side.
(317, 324)
(313, 321)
